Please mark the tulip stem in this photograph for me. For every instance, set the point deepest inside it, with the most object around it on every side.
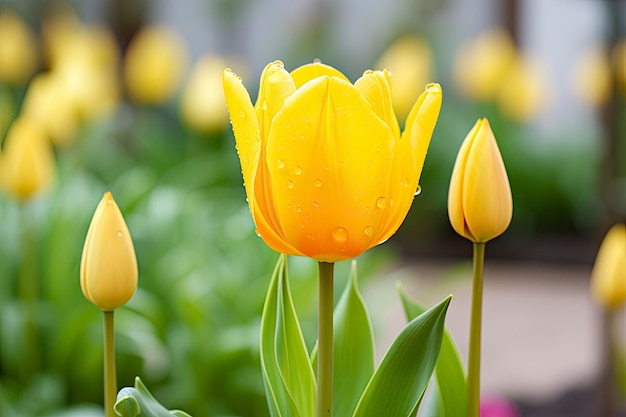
(473, 367)
(325, 341)
(110, 382)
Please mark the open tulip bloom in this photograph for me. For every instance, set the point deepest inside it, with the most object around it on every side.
(328, 175)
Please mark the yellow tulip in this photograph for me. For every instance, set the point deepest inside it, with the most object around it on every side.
(409, 60)
(18, 49)
(608, 277)
(480, 205)
(523, 92)
(154, 63)
(203, 107)
(592, 77)
(108, 267)
(27, 161)
(327, 173)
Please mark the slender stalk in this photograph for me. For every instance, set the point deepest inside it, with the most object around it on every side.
(110, 381)
(473, 367)
(608, 398)
(28, 292)
(325, 341)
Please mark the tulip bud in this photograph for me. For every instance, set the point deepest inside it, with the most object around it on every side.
(18, 49)
(480, 205)
(608, 277)
(154, 63)
(108, 267)
(27, 161)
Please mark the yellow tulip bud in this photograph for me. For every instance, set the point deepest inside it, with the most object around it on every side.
(592, 77)
(410, 61)
(480, 205)
(327, 172)
(27, 165)
(203, 107)
(108, 267)
(608, 277)
(154, 64)
(523, 93)
(18, 49)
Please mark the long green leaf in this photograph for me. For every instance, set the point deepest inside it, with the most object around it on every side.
(402, 377)
(354, 360)
(448, 398)
(138, 402)
(287, 372)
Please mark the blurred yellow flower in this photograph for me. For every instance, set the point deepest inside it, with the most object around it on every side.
(154, 64)
(47, 102)
(608, 277)
(27, 164)
(523, 93)
(18, 50)
(480, 205)
(203, 106)
(481, 64)
(409, 60)
(108, 267)
(618, 60)
(327, 172)
(592, 77)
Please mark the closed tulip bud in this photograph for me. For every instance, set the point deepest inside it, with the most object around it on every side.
(203, 107)
(27, 165)
(524, 92)
(592, 79)
(327, 172)
(154, 64)
(108, 267)
(608, 277)
(480, 205)
(18, 50)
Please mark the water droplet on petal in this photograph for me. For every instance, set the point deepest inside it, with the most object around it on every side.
(315, 203)
(119, 233)
(299, 209)
(317, 183)
(264, 105)
(297, 170)
(242, 114)
(290, 184)
(280, 164)
(404, 182)
(302, 225)
(256, 232)
(340, 234)
(310, 236)
(380, 202)
(368, 230)
(418, 191)
(317, 61)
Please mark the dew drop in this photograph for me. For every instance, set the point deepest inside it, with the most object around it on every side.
(119, 233)
(310, 236)
(418, 191)
(280, 164)
(368, 230)
(317, 183)
(301, 137)
(110, 201)
(302, 225)
(242, 114)
(299, 209)
(340, 234)
(380, 202)
(404, 182)
(315, 203)
(317, 61)
(290, 184)
(297, 170)
(256, 232)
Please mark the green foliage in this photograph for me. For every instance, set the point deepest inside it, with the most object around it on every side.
(393, 390)
(447, 396)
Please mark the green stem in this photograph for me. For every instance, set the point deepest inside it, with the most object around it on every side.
(110, 382)
(325, 341)
(473, 367)
(28, 290)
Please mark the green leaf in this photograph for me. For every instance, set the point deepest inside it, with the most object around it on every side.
(287, 373)
(353, 350)
(448, 397)
(138, 402)
(402, 377)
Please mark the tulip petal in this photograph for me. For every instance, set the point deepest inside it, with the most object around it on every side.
(325, 141)
(376, 88)
(410, 157)
(276, 85)
(608, 277)
(247, 135)
(308, 72)
(487, 201)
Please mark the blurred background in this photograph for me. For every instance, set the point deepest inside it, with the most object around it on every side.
(126, 96)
